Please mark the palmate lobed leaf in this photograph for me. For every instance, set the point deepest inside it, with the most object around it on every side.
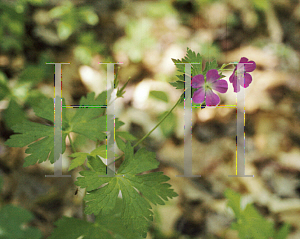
(30, 132)
(252, 225)
(234, 201)
(159, 95)
(120, 135)
(12, 219)
(89, 122)
(209, 66)
(137, 190)
(191, 57)
(178, 84)
(249, 223)
(79, 159)
(73, 228)
(105, 227)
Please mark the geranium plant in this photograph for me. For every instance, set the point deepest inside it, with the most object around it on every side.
(122, 204)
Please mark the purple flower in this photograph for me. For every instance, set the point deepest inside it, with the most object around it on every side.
(237, 77)
(206, 87)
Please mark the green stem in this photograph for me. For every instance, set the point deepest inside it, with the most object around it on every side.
(116, 82)
(83, 206)
(71, 143)
(123, 87)
(116, 159)
(98, 143)
(83, 202)
(142, 139)
(223, 66)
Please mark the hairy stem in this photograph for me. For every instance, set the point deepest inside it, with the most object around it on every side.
(142, 139)
(83, 206)
(71, 143)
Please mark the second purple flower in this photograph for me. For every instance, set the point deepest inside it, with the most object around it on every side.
(205, 88)
(240, 76)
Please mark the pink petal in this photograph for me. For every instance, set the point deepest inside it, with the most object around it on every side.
(250, 67)
(243, 60)
(212, 76)
(211, 98)
(199, 95)
(236, 85)
(248, 80)
(240, 75)
(220, 86)
(198, 81)
(240, 69)
(236, 88)
(245, 80)
(233, 80)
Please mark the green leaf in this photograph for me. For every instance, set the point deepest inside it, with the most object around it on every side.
(1, 183)
(234, 201)
(43, 149)
(181, 98)
(108, 226)
(118, 123)
(64, 30)
(121, 144)
(73, 228)
(39, 151)
(210, 65)
(13, 114)
(88, 128)
(115, 223)
(32, 74)
(45, 109)
(4, 90)
(85, 113)
(120, 135)
(11, 220)
(89, 16)
(137, 190)
(83, 53)
(88, 122)
(79, 159)
(132, 163)
(36, 2)
(10, 9)
(168, 125)
(178, 84)
(249, 223)
(160, 95)
(283, 232)
(261, 4)
(59, 11)
(126, 135)
(101, 151)
(253, 225)
(191, 57)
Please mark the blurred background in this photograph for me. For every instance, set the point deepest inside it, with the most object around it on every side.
(145, 35)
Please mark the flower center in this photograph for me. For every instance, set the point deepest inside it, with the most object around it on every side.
(208, 86)
(240, 71)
